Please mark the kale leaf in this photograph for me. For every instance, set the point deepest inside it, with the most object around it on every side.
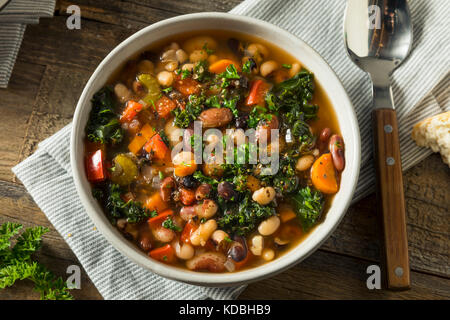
(103, 125)
(194, 107)
(16, 263)
(244, 217)
(133, 211)
(309, 206)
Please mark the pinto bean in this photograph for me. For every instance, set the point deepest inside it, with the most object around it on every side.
(211, 261)
(188, 212)
(203, 191)
(167, 186)
(337, 149)
(187, 196)
(163, 234)
(215, 117)
(145, 241)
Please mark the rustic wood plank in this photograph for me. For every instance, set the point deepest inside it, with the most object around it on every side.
(15, 109)
(330, 276)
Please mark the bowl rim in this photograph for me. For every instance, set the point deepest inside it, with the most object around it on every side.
(280, 264)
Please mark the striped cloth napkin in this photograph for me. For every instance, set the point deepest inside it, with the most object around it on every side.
(419, 86)
(13, 20)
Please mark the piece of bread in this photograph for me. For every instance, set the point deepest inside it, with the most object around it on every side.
(434, 132)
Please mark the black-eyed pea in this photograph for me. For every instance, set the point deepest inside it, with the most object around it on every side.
(304, 162)
(257, 245)
(268, 67)
(269, 226)
(165, 78)
(264, 195)
(268, 254)
(198, 55)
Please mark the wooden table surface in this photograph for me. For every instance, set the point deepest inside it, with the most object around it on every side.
(54, 64)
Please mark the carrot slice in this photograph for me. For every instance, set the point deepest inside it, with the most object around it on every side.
(164, 254)
(164, 106)
(221, 65)
(323, 174)
(155, 202)
(286, 213)
(141, 138)
(160, 218)
(131, 111)
(257, 95)
(157, 147)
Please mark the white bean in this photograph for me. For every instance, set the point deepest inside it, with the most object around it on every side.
(169, 55)
(181, 55)
(294, 69)
(269, 226)
(268, 67)
(146, 66)
(122, 92)
(197, 43)
(268, 254)
(184, 251)
(208, 209)
(202, 234)
(165, 78)
(258, 50)
(264, 195)
(257, 244)
(188, 66)
(171, 66)
(218, 236)
(304, 162)
(174, 133)
(198, 55)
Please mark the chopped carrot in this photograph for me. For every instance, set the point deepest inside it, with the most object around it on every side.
(221, 65)
(323, 174)
(187, 231)
(186, 86)
(164, 106)
(164, 254)
(141, 138)
(131, 111)
(157, 147)
(155, 202)
(286, 213)
(185, 168)
(160, 218)
(257, 95)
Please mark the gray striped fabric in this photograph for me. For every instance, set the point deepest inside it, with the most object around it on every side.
(420, 88)
(13, 19)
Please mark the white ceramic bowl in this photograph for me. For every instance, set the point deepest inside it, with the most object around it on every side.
(281, 38)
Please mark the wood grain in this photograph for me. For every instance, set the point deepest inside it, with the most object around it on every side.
(55, 63)
(390, 198)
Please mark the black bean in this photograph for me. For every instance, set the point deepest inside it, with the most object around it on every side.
(189, 182)
(241, 121)
(226, 191)
(237, 252)
(235, 46)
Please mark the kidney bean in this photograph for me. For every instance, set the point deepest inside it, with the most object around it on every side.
(203, 191)
(226, 191)
(167, 186)
(337, 149)
(187, 196)
(145, 241)
(324, 136)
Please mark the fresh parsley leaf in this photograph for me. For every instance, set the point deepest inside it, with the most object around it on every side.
(286, 66)
(168, 224)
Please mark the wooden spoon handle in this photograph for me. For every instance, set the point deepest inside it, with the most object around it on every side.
(390, 198)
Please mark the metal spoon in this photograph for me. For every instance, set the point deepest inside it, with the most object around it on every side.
(378, 37)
